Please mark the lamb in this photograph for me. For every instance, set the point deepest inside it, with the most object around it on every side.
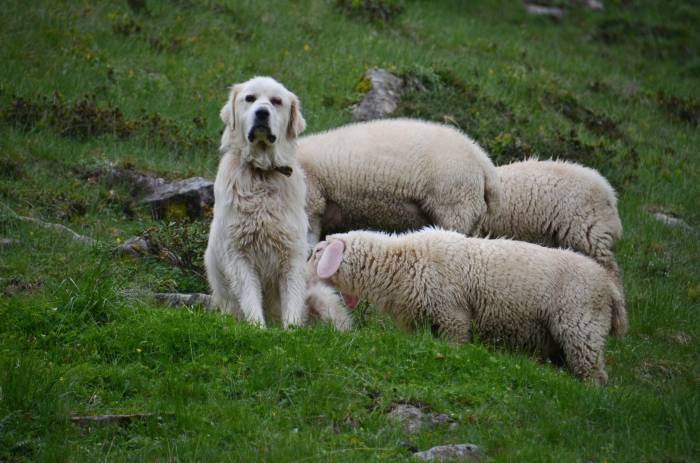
(559, 204)
(395, 175)
(523, 296)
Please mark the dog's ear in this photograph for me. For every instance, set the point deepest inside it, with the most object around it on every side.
(330, 260)
(297, 124)
(226, 113)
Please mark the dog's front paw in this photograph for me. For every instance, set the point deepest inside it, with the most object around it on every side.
(291, 322)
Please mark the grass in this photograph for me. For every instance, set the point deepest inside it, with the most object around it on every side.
(84, 83)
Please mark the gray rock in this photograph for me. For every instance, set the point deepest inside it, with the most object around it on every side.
(194, 194)
(139, 246)
(550, 11)
(136, 246)
(592, 4)
(674, 222)
(414, 419)
(183, 300)
(8, 243)
(456, 452)
(383, 97)
(139, 183)
(190, 196)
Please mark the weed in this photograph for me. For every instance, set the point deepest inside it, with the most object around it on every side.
(85, 118)
(570, 106)
(187, 240)
(682, 109)
(661, 41)
(125, 25)
(373, 11)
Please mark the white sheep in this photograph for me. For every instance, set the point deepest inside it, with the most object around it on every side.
(395, 175)
(559, 204)
(521, 295)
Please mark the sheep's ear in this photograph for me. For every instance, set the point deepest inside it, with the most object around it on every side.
(330, 260)
(297, 124)
(226, 113)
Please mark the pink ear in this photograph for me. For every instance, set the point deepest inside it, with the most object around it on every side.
(330, 260)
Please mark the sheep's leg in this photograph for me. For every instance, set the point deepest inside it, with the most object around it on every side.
(583, 344)
(460, 211)
(313, 235)
(452, 325)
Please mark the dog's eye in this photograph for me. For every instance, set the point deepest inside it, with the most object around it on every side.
(276, 100)
(250, 98)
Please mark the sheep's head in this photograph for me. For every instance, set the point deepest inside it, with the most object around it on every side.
(327, 257)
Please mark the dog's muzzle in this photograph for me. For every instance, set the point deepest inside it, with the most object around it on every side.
(261, 133)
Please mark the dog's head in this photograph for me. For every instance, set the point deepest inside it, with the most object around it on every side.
(263, 118)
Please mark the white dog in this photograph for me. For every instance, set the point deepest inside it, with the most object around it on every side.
(257, 248)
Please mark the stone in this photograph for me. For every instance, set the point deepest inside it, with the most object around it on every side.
(454, 452)
(8, 243)
(136, 246)
(139, 246)
(192, 195)
(550, 11)
(382, 98)
(183, 299)
(674, 222)
(414, 419)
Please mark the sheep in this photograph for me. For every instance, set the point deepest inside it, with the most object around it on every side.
(559, 204)
(395, 175)
(521, 295)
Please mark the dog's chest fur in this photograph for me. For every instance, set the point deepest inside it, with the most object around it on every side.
(264, 216)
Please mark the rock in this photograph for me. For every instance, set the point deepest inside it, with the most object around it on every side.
(183, 300)
(18, 286)
(192, 196)
(139, 246)
(551, 11)
(189, 197)
(139, 183)
(8, 243)
(136, 246)
(413, 418)
(456, 452)
(674, 222)
(382, 98)
(592, 4)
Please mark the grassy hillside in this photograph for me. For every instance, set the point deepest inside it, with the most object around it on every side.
(85, 83)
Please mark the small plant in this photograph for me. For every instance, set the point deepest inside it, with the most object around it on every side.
(373, 11)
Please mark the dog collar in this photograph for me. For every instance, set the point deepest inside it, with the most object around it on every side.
(284, 170)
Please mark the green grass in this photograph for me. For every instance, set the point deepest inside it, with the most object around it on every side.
(84, 83)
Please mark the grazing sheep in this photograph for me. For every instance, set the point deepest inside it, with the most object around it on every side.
(395, 175)
(559, 204)
(521, 295)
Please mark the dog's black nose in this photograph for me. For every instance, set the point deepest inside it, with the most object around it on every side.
(262, 114)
